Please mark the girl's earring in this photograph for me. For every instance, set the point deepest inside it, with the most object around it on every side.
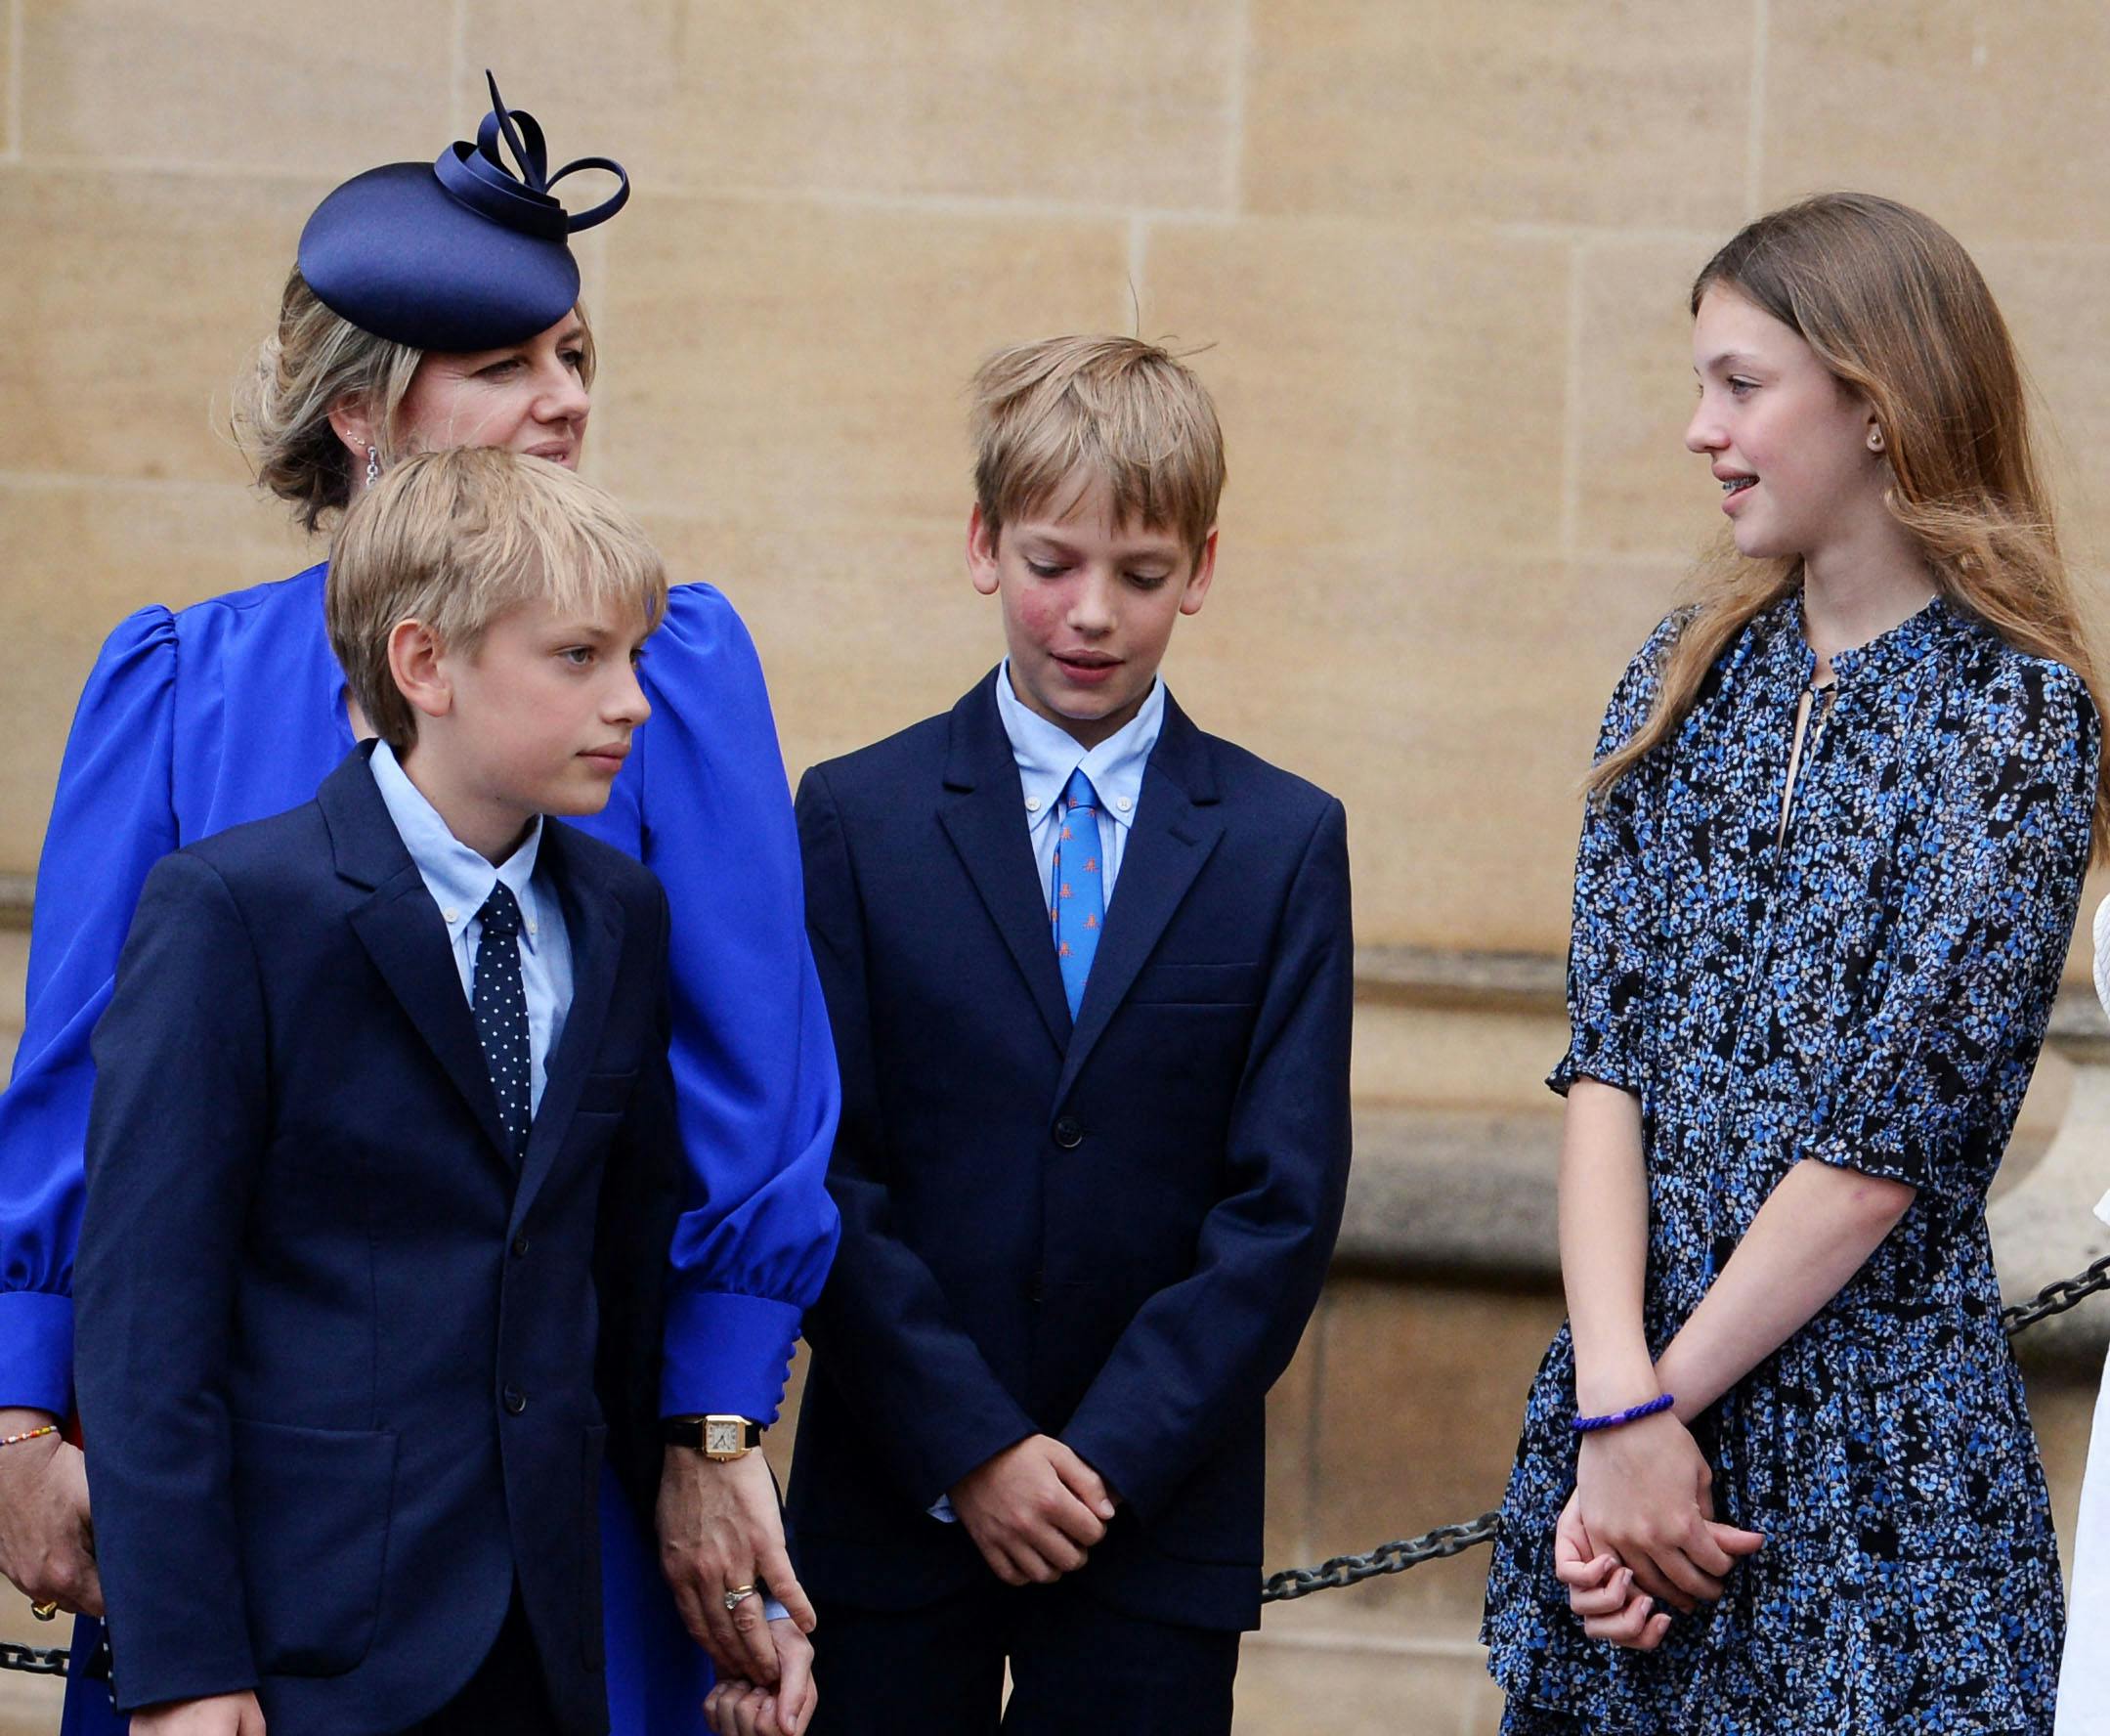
(1876, 440)
(373, 466)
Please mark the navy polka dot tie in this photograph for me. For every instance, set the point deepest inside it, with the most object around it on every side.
(501, 1004)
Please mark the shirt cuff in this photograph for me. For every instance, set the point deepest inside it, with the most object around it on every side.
(37, 1350)
(941, 1510)
(728, 1354)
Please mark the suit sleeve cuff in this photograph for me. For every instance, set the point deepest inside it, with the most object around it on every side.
(726, 1354)
(37, 1350)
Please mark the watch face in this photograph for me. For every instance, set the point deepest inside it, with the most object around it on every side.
(722, 1435)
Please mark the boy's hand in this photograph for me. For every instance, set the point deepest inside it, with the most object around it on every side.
(737, 1707)
(1643, 1495)
(720, 1528)
(47, 1546)
(1033, 1510)
(217, 1715)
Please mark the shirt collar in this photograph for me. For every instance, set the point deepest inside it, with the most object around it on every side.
(458, 876)
(1047, 754)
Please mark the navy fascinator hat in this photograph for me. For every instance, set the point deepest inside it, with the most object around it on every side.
(458, 254)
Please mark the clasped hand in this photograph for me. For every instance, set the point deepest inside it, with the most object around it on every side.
(1033, 1510)
(47, 1546)
(1641, 1527)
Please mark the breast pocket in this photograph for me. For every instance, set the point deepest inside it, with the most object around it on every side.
(1196, 985)
(312, 1508)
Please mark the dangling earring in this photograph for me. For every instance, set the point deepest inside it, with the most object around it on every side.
(1876, 440)
(373, 466)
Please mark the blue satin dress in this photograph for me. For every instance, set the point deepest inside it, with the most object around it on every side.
(233, 709)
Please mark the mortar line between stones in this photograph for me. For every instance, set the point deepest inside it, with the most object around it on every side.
(1755, 137)
(1571, 419)
(1241, 44)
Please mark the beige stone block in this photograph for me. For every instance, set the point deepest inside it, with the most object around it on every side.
(2056, 301)
(10, 109)
(1983, 116)
(1632, 112)
(797, 364)
(14, 984)
(1421, 1399)
(136, 301)
(81, 556)
(1452, 706)
(1379, 386)
(1636, 490)
(1456, 1058)
(1292, 1454)
(303, 86)
(862, 630)
(1293, 1685)
(1097, 103)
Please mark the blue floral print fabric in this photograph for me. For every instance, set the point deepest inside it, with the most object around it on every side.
(1868, 990)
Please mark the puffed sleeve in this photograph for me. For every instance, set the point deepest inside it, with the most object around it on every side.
(1972, 961)
(754, 1067)
(1614, 916)
(111, 821)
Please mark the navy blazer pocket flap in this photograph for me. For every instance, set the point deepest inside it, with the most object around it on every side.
(605, 1094)
(312, 1508)
(1180, 984)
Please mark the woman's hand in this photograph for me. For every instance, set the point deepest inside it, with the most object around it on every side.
(1601, 1588)
(1643, 1495)
(737, 1707)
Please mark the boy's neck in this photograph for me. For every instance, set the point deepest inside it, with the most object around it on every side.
(493, 829)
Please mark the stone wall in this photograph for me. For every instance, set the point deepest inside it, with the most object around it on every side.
(1437, 254)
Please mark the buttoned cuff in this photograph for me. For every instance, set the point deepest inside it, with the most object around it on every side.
(728, 1354)
(37, 1350)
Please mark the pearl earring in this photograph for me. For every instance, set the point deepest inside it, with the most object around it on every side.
(1876, 440)
(373, 466)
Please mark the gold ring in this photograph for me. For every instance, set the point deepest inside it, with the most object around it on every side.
(734, 1593)
(45, 1612)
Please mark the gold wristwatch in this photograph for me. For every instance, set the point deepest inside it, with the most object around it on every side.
(719, 1437)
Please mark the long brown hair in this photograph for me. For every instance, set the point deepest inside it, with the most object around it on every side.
(1894, 307)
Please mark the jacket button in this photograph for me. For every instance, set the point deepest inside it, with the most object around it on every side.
(516, 1401)
(520, 1247)
(1069, 1133)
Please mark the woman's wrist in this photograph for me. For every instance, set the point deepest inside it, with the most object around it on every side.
(1610, 1383)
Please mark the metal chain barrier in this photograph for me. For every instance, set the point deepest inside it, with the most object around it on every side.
(1386, 1558)
(1454, 1540)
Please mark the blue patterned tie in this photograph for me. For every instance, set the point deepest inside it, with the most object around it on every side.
(1079, 905)
(501, 1005)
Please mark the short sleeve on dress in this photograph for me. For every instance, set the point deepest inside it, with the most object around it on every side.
(1612, 938)
(1973, 960)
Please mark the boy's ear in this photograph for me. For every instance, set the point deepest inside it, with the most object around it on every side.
(414, 664)
(981, 552)
(1196, 591)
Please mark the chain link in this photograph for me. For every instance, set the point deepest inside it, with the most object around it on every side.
(1387, 1558)
(1454, 1540)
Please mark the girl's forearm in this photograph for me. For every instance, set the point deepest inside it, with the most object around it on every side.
(1605, 1244)
(1815, 1230)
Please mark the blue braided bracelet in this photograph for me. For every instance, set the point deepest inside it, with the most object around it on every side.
(1583, 1425)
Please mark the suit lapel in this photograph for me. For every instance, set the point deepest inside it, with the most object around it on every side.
(984, 813)
(402, 932)
(594, 926)
(1175, 827)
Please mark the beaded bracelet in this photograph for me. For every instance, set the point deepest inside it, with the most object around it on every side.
(50, 1428)
(1583, 1425)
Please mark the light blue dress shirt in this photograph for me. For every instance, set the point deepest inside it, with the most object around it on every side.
(460, 880)
(1047, 755)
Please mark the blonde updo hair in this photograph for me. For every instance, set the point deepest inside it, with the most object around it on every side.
(316, 360)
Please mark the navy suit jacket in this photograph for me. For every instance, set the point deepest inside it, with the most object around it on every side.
(336, 1355)
(1112, 1232)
